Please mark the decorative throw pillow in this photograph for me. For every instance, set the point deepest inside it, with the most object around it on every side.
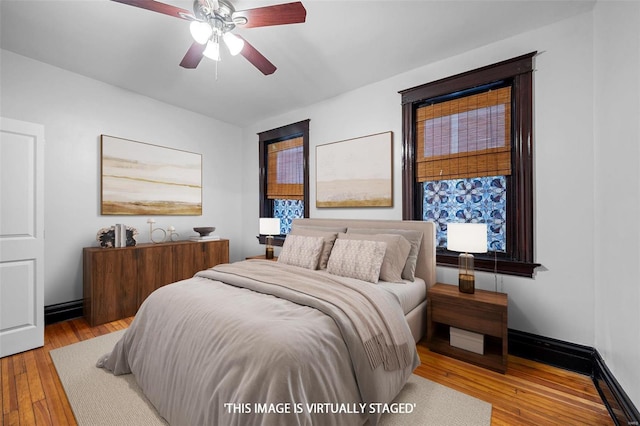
(302, 251)
(395, 256)
(329, 238)
(359, 259)
(414, 238)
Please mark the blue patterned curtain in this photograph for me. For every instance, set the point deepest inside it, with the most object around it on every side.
(475, 200)
(286, 211)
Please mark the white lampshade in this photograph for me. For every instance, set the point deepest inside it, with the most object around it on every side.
(234, 43)
(200, 31)
(467, 237)
(212, 51)
(269, 226)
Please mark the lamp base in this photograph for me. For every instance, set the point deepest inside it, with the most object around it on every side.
(466, 283)
(268, 254)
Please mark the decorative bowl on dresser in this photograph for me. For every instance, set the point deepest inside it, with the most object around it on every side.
(204, 230)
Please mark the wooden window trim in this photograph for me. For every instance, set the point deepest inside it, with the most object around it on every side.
(520, 258)
(290, 131)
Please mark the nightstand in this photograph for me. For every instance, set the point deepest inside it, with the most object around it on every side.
(262, 256)
(483, 312)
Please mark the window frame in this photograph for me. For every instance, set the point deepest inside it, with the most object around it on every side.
(519, 258)
(279, 134)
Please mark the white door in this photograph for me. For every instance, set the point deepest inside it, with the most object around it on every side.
(21, 236)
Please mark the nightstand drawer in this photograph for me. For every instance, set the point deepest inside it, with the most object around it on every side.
(473, 319)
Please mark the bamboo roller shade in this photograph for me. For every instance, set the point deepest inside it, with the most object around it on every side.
(285, 170)
(465, 137)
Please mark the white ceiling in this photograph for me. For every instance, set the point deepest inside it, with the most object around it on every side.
(342, 46)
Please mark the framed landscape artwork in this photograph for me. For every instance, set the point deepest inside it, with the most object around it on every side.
(355, 172)
(143, 179)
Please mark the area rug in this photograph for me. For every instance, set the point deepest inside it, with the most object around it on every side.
(99, 398)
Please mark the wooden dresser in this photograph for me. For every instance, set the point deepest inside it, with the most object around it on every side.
(118, 280)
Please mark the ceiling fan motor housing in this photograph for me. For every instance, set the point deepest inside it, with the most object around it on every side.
(218, 14)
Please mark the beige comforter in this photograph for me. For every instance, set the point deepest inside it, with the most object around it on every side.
(261, 351)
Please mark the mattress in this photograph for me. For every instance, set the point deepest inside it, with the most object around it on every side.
(410, 294)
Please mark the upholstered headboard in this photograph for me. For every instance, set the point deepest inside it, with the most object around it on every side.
(426, 264)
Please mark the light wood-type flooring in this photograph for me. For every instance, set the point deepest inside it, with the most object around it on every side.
(530, 393)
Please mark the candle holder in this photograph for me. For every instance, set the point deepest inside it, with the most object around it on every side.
(158, 231)
(173, 235)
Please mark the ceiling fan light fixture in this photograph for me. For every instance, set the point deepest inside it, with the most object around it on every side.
(200, 31)
(233, 42)
(212, 51)
(213, 19)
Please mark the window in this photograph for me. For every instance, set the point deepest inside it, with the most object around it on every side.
(463, 156)
(284, 176)
(467, 157)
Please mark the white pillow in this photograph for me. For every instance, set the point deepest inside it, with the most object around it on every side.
(360, 259)
(329, 238)
(395, 256)
(414, 238)
(302, 251)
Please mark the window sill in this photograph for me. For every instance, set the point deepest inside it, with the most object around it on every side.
(489, 264)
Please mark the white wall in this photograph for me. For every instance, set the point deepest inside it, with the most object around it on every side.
(75, 111)
(329, 125)
(547, 304)
(617, 190)
(580, 186)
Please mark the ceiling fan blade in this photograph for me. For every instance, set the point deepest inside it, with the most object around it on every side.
(279, 14)
(258, 60)
(156, 6)
(193, 56)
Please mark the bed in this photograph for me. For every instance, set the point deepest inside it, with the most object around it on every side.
(314, 338)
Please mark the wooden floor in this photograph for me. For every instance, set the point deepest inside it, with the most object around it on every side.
(529, 394)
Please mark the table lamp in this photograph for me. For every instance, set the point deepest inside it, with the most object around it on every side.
(466, 238)
(269, 226)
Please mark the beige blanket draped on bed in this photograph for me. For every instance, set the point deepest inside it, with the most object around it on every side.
(221, 339)
(384, 333)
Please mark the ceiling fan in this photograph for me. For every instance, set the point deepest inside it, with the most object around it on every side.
(213, 21)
